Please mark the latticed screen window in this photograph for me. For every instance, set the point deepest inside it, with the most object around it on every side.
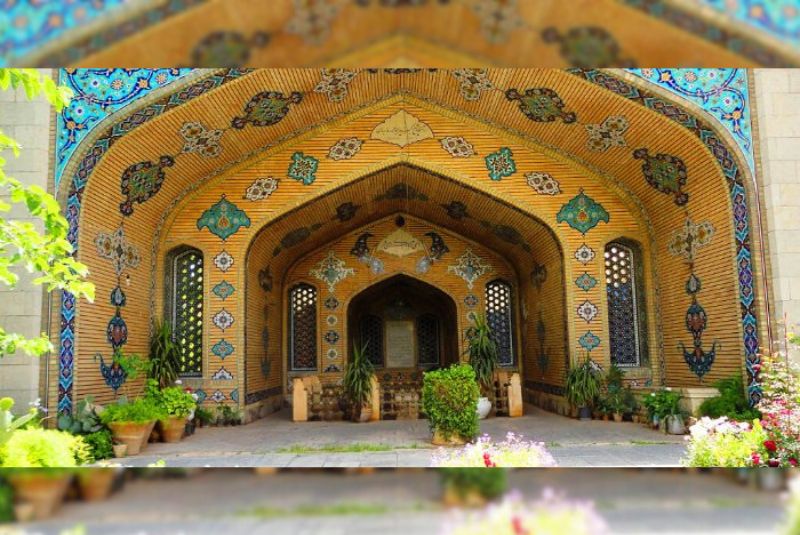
(428, 339)
(303, 327)
(372, 335)
(624, 316)
(187, 310)
(499, 318)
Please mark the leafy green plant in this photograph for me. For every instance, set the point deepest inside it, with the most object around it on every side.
(583, 384)
(6, 503)
(488, 483)
(139, 411)
(482, 352)
(663, 403)
(22, 245)
(10, 423)
(165, 354)
(83, 420)
(100, 444)
(37, 448)
(449, 399)
(204, 415)
(173, 400)
(227, 415)
(731, 401)
(357, 379)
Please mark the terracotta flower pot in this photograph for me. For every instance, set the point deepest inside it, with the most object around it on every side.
(95, 484)
(132, 434)
(453, 497)
(120, 450)
(453, 440)
(173, 428)
(44, 492)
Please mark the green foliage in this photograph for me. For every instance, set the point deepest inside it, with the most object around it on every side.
(663, 403)
(489, 483)
(140, 411)
(725, 446)
(583, 384)
(450, 399)
(172, 401)
(35, 448)
(227, 415)
(10, 424)
(731, 401)
(100, 444)
(204, 415)
(82, 421)
(357, 379)
(617, 398)
(6, 503)
(165, 354)
(482, 352)
(47, 254)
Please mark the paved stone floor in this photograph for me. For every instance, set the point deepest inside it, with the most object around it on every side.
(407, 501)
(273, 441)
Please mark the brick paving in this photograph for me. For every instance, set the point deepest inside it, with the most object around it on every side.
(272, 441)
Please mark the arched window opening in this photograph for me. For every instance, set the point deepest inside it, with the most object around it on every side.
(371, 330)
(303, 328)
(499, 317)
(185, 308)
(428, 340)
(626, 313)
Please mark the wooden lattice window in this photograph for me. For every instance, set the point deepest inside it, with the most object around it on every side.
(303, 327)
(499, 317)
(428, 340)
(371, 330)
(186, 306)
(625, 314)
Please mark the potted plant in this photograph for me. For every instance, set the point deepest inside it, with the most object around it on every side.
(165, 354)
(672, 413)
(132, 422)
(472, 487)
(95, 484)
(357, 382)
(204, 417)
(482, 352)
(176, 405)
(43, 489)
(447, 396)
(583, 387)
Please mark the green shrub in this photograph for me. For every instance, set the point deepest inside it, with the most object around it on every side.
(100, 444)
(731, 402)
(172, 401)
(721, 443)
(37, 448)
(662, 403)
(204, 415)
(139, 411)
(489, 483)
(6, 503)
(82, 421)
(450, 399)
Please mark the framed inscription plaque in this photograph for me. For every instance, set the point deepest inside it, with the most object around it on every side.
(400, 344)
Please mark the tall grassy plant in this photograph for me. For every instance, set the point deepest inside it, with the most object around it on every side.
(165, 354)
(358, 379)
(583, 384)
(482, 352)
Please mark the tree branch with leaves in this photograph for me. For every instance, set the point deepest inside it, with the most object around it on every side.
(46, 253)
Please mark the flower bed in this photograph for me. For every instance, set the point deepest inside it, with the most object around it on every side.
(551, 515)
(514, 451)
